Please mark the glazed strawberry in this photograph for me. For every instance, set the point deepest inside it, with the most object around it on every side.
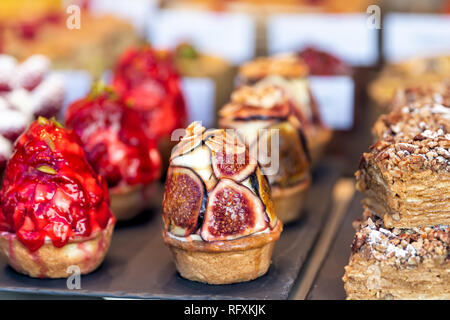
(50, 191)
(148, 80)
(113, 138)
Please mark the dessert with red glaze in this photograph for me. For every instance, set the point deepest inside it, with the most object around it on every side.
(54, 209)
(321, 63)
(219, 220)
(116, 144)
(148, 80)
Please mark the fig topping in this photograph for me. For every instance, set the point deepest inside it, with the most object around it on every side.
(233, 211)
(183, 202)
(229, 157)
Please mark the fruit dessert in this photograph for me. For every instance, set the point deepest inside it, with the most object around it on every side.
(54, 209)
(398, 263)
(113, 137)
(262, 115)
(147, 79)
(27, 90)
(289, 72)
(219, 220)
(321, 63)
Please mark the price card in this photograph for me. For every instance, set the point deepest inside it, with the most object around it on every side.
(227, 35)
(408, 35)
(345, 35)
(137, 12)
(200, 99)
(335, 97)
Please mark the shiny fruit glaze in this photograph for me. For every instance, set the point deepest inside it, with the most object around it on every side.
(113, 137)
(147, 79)
(50, 190)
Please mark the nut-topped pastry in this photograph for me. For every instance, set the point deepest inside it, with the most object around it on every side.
(289, 72)
(396, 263)
(407, 182)
(54, 209)
(263, 117)
(427, 111)
(218, 216)
(116, 144)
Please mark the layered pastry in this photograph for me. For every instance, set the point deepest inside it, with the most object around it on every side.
(263, 117)
(32, 27)
(413, 72)
(289, 72)
(114, 139)
(398, 263)
(407, 182)
(218, 216)
(147, 79)
(54, 209)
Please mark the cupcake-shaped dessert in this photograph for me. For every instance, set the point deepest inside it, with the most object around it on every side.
(263, 118)
(289, 72)
(147, 79)
(118, 147)
(54, 209)
(218, 216)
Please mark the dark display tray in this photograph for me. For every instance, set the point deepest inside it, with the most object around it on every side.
(328, 284)
(139, 265)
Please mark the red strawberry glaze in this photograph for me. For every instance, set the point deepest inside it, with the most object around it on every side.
(50, 189)
(148, 80)
(114, 139)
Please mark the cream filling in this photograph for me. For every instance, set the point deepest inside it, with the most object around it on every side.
(196, 237)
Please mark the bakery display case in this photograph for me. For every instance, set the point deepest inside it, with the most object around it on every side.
(224, 150)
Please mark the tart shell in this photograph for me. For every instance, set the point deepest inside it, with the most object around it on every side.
(52, 262)
(224, 262)
(288, 202)
(127, 203)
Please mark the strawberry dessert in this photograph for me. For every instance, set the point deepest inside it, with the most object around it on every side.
(148, 80)
(54, 208)
(116, 144)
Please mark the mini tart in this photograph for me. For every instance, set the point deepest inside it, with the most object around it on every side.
(258, 113)
(51, 262)
(115, 141)
(289, 72)
(219, 220)
(54, 209)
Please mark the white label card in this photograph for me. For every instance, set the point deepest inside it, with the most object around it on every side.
(345, 35)
(227, 35)
(335, 97)
(407, 35)
(200, 99)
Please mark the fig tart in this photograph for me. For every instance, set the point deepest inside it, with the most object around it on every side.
(116, 144)
(263, 118)
(54, 208)
(219, 220)
(289, 72)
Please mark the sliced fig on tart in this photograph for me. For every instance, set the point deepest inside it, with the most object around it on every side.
(184, 201)
(191, 140)
(233, 211)
(262, 187)
(230, 158)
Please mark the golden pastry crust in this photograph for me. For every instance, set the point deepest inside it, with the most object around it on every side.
(128, 202)
(223, 262)
(289, 202)
(398, 263)
(52, 262)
